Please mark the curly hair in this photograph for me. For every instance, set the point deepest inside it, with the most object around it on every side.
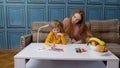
(57, 24)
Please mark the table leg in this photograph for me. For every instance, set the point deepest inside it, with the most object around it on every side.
(19, 63)
(112, 64)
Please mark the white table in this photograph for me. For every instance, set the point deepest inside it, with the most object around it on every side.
(32, 52)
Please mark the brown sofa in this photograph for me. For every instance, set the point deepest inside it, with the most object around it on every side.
(107, 30)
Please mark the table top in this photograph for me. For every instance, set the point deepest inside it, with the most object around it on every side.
(34, 51)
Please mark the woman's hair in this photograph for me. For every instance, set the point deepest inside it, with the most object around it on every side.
(81, 24)
(57, 24)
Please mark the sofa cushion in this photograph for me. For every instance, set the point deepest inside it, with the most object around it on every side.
(42, 37)
(108, 36)
(105, 25)
(43, 32)
(36, 25)
(107, 30)
(114, 48)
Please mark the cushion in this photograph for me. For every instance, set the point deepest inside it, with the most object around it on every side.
(36, 25)
(114, 48)
(42, 37)
(106, 30)
(110, 37)
(105, 25)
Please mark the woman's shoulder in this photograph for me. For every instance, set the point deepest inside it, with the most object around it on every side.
(66, 19)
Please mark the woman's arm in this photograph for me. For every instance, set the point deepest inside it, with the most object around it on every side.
(75, 42)
(89, 35)
(65, 23)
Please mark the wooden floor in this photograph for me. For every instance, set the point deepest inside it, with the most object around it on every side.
(7, 58)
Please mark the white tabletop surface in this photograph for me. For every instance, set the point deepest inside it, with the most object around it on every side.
(32, 52)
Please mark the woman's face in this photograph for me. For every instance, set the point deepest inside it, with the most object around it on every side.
(56, 30)
(76, 18)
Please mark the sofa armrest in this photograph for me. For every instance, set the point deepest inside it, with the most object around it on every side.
(25, 40)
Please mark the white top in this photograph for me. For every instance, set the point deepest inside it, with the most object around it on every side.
(33, 51)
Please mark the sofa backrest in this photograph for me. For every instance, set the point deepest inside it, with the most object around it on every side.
(43, 32)
(106, 30)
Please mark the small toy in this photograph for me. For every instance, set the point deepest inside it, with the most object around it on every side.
(80, 50)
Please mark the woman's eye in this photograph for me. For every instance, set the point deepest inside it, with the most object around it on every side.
(74, 17)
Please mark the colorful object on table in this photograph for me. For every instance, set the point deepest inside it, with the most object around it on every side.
(56, 49)
(95, 41)
(101, 49)
(80, 50)
(97, 45)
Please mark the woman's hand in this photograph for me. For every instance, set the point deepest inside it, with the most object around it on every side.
(73, 40)
(76, 42)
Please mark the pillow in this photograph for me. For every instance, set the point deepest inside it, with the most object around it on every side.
(106, 30)
(36, 25)
(104, 25)
(110, 37)
(42, 37)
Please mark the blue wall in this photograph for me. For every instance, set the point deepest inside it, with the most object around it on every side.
(16, 16)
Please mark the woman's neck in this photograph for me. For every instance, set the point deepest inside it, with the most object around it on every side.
(75, 25)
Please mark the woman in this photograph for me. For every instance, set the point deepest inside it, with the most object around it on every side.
(76, 28)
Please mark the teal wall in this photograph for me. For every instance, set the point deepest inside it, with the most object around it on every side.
(16, 16)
